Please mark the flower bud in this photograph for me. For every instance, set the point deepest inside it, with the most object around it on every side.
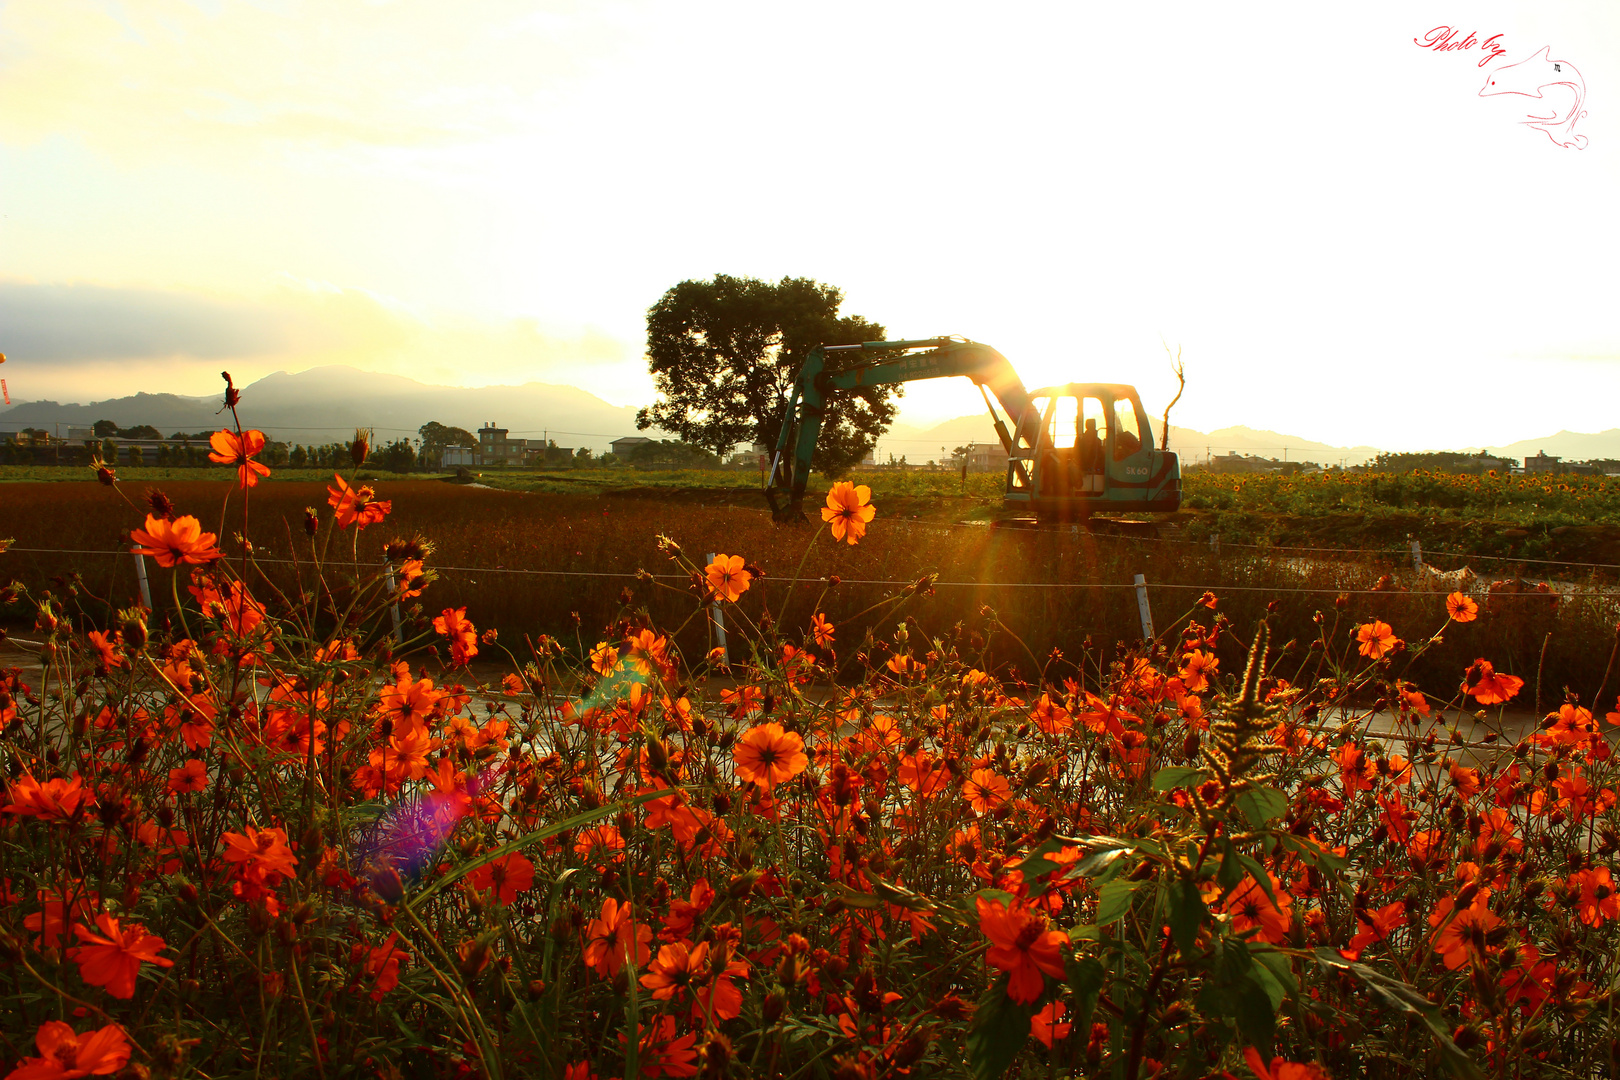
(360, 447)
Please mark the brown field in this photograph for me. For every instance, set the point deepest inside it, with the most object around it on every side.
(489, 542)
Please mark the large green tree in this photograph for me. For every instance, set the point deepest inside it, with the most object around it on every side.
(437, 436)
(724, 354)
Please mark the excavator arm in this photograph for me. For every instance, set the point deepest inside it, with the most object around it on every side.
(900, 361)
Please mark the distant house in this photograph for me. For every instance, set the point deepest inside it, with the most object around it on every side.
(1543, 463)
(986, 457)
(622, 448)
(495, 448)
(458, 457)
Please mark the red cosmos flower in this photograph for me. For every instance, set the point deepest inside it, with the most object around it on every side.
(239, 450)
(174, 542)
(822, 630)
(262, 854)
(848, 510)
(1196, 668)
(1463, 937)
(985, 791)
(683, 914)
(1050, 717)
(662, 1054)
(1385, 921)
(1377, 639)
(1487, 686)
(1022, 946)
(1251, 908)
(1045, 1025)
(54, 800)
(1460, 608)
(64, 1054)
(190, 778)
(508, 875)
(382, 963)
(677, 971)
(1598, 900)
(769, 755)
(356, 506)
(463, 636)
(1280, 1069)
(115, 959)
(106, 646)
(611, 936)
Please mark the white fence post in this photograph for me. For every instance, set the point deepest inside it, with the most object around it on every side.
(1417, 555)
(393, 590)
(140, 576)
(1143, 609)
(718, 617)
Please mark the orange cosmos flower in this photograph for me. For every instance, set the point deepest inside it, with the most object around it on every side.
(115, 959)
(1250, 907)
(239, 450)
(822, 630)
(727, 578)
(63, 1053)
(1463, 938)
(508, 876)
(1599, 902)
(106, 646)
(382, 963)
(356, 506)
(1022, 946)
(1196, 668)
(1377, 639)
(1280, 1069)
(177, 541)
(463, 635)
(262, 852)
(848, 509)
(985, 791)
(769, 755)
(610, 938)
(1487, 685)
(54, 800)
(1385, 921)
(1461, 608)
(1046, 1025)
(190, 777)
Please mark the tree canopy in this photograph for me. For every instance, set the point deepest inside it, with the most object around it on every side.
(724, 354)
(437, 436)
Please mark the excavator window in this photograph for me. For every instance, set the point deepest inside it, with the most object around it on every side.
(1065, 423)
(1127, 432)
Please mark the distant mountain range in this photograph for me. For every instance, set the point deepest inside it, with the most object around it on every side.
(919, 444)
(326, 404)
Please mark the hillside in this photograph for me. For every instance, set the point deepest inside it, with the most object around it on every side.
(326, 404)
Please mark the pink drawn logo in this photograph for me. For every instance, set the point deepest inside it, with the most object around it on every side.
(1530, 77)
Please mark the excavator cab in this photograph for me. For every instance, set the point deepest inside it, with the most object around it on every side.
(1092, 451)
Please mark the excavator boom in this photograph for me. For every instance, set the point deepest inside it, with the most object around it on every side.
(1060, 462)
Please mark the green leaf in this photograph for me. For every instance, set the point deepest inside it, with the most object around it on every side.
(1403, 997)
(1096, 865)
(1260, 875)
(1086, 976)
(1255, 1014)
(1230, 874)
(1177, 776)
(1114, 900)
(1324, 860)
(1187, 914)
(1261, 805)
(999, 1030)
(1277, 965)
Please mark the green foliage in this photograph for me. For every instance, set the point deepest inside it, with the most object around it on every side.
(724, 354)
(436, 436)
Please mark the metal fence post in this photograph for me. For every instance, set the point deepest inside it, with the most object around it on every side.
(718, 617)
(1417, 555)
(1143, 609)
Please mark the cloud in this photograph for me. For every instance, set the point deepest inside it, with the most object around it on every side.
(76, 342)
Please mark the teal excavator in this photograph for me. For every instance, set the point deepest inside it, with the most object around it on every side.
(1072, 450)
